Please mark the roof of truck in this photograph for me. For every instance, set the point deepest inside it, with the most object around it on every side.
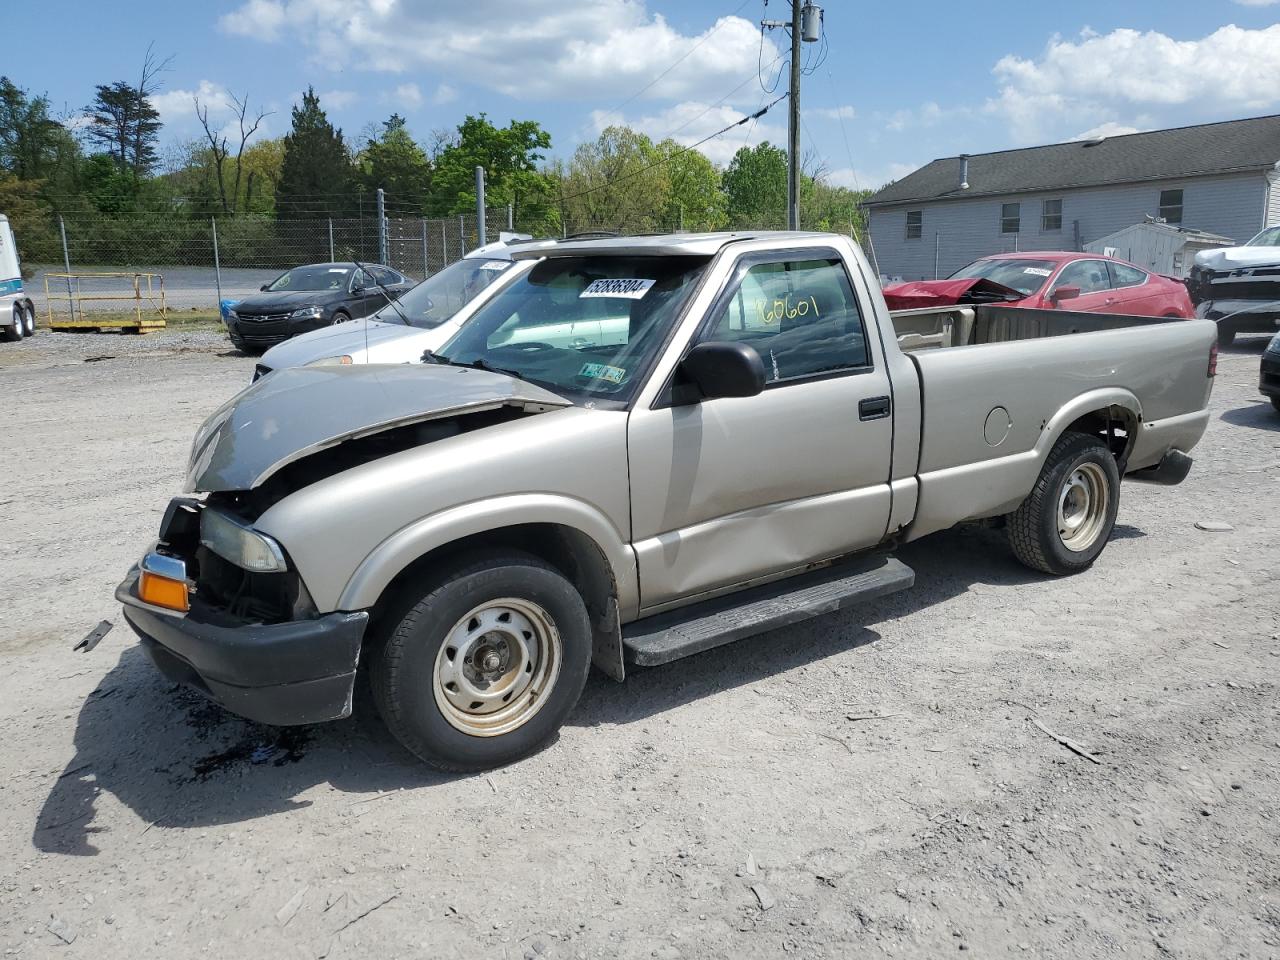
(663, 244)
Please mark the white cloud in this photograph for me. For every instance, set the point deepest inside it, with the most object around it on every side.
(177, 110)
(444, 94)
(1100, 76)
(257, 18)
(926, 115)
(1256, 3)
(688, 122)
(833, 113)
(407, 95)
(869, 179)
(336, 99)
(551, 49)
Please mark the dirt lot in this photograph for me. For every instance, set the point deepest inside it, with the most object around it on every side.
(868, 784)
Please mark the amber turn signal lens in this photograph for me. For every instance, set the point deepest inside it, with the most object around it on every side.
(163, 592)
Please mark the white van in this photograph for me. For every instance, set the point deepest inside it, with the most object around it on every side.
(17, 312)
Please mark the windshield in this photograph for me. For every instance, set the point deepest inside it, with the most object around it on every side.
(1025, 276)
(312, 278)
(443, 294)
(1267, 238)
(585, 326)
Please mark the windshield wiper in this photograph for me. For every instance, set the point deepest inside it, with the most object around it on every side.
(383, 290)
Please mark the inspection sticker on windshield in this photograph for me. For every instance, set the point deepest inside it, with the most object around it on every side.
(601, 371)
(626, 289)
(1037, 271)
(495, 265)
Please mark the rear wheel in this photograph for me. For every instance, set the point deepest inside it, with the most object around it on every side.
(487, 665)
(14, 332)
(1066, 520)
(29, 320)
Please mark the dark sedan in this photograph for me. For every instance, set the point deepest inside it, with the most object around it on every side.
(308, 298)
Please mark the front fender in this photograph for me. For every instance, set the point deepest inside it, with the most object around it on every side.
(422, 536)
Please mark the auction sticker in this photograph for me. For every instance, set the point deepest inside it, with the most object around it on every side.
(495, 265)
(1037, 271)
(602, 371)
(625, 289)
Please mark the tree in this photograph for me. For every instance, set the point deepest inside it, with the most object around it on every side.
(29, 137)
(219, 148)
(510, 158)
(315, 174)
(755, 187)
(395, 163)
(616, 182)
(123, 122)
(695, 198)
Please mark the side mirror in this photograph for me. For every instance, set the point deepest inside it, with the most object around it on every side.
(722, 369)
(263, 288)
(1064, 293)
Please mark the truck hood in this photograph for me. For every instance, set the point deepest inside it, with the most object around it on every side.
(941, 293)
(349, 339)
(296, 412)
(1236, 258)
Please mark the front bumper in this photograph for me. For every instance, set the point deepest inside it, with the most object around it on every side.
(1269, 375)
(1250, 315)
(285, 673)
(245, 331)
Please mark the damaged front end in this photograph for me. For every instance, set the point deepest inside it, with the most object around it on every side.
(1239, 288)
(218, 604)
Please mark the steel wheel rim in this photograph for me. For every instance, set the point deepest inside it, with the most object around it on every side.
(1082, 507)
(497, 666)
(29, 321)
(19, 322)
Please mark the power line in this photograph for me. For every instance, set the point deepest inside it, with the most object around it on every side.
(712, 106)
(674, 153)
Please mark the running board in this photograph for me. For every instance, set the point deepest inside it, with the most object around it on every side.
(712, 623)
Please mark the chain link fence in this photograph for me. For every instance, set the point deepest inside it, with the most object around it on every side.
(205, 261)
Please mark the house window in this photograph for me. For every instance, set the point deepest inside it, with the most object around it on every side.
(1171, 206)
(915, 224)
(1051, 216)
(1010, 217)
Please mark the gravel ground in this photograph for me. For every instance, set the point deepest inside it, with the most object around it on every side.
(867, 784)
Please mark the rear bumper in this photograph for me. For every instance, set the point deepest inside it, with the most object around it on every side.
(284, 674)
(1269, 375)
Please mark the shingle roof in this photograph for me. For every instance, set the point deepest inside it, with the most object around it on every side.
(1209, 148)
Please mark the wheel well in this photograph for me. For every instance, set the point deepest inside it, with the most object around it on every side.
(1116, 426)
(568, 550)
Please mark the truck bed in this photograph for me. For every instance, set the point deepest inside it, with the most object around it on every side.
(932, 328)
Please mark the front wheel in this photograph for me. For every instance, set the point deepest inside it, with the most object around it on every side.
(1066, 520)
(1226, 336)
(14, 332)
(487, 665)
(1275, 402)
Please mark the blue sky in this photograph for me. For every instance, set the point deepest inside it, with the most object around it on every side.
(902, 83)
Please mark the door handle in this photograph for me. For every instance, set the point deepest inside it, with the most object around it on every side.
(873, 408)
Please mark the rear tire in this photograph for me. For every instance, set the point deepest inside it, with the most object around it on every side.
(1066, 520)
(1226, 336)
(29, 320)
(14, 333)
(487, 665)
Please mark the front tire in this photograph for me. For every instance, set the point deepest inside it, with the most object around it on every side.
(29, 320)
(14, 333)
(1226, 336)
(1275, 402)
(1066, 520)
(340, 316)
(487, 665)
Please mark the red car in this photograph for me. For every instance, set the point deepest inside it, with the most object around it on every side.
(1087, 282)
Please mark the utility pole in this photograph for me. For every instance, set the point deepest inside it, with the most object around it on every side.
(806, 27)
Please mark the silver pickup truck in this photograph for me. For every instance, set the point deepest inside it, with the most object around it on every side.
(734, 438)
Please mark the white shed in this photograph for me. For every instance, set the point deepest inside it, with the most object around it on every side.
(1160, 247)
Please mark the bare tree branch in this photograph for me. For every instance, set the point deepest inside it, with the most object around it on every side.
(217, 146)
(247, 130)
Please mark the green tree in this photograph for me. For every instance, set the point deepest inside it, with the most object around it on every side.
(510, 158)
(124, 123)
(315, 171)
(394, 162)
(695, 200)
(29, 138)
(33, 225)
(616, 182)
(755, 187)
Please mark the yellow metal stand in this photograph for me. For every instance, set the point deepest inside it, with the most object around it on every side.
(147, 287)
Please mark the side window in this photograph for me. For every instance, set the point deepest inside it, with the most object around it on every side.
(1123, 275)
(915, 224)
(1010, 217)
(1089, 275)
(360, 280)
(800, 315)
(385, 275)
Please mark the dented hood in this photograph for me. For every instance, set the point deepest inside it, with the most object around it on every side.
(939, 293)
(295, 412)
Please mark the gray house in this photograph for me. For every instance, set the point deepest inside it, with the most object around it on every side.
(1221, 178)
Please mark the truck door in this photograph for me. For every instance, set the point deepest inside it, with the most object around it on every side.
(731, 489)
